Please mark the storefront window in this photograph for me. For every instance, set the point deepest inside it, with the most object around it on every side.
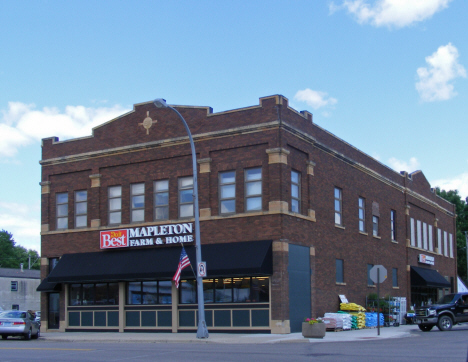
(88, 294)
(223, 290)
(75, 294)
(260, 290)
(208, 290)
(241, 290)
(134, 293)
(188, 292)
(101, 293)
(164, 291)
(152, 292)
(94, 294)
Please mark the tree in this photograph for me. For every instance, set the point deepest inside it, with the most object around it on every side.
(461, 209)
(12, 255)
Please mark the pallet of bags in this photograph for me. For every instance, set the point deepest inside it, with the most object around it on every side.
(335, 321)
(347, 320)
(352, 307)
(360, 319)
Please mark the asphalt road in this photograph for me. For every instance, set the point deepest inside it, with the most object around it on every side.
(431, 346)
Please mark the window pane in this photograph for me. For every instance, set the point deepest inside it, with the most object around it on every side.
(186, 210)
(361, 202)
(115, 191)
(361, 213)
(254, 188)
(115, 204)
(162, 198)
(113, 293)
(228, 191)
(186, 182)
(101, 293)
(241, 290)
(115, 217)
(165, 296)
(134, 293)
(188, 291)
(186, 196)
(162, 185)
(81, 196)
(62, 210)
(369, 280)
(62, 198)
(395, 277)
(62, 223)
(138, 189)
(254, 203)
(150, 293)
(228, 177)
(208, 290)
(294, 206)
(337, 218)
(138, 215)
(254, 174)
(138, 201)
(337, 205)
(361, 225)
(162, 213)
(81, 221)
(75, 295)
(260, 290)
(82, 208)
(295, 191)
(339, 270)
(223, 290)
(295, 177)
(88, 294)
(337, 193)
(228, 206)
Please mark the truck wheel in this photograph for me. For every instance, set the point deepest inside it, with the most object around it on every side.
(445, 323)
(425, 328)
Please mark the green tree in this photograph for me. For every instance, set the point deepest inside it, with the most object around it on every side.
(461, 209)
(12, 255)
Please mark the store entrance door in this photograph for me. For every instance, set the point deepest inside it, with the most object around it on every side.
(54, 311)
(299, 286)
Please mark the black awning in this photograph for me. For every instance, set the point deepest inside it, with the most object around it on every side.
(253, 258)
(422, 277)
(47, 286)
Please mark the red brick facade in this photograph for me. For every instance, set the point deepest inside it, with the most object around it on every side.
(278, 139)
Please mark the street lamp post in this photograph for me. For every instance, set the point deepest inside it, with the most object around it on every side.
(202, 331)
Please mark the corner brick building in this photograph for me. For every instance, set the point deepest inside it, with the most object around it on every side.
(291, 217)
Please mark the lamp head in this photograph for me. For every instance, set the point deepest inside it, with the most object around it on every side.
(160, 103)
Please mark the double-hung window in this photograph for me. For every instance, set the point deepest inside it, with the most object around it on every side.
(375, 225)
(395, 277)
(14, 286)
(62, 210)
(138, 202)
(115, 204)
(295, 191)
(393, 224)
(253, 189)
(369, 280)
(81, 209)
(186, 197)
(227, 192)
(161, 200)
(340, 271)
(338, 206)
(362, 214)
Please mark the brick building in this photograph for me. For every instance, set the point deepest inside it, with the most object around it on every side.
(291, 217)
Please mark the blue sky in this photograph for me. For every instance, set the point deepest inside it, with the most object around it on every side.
(387, 76)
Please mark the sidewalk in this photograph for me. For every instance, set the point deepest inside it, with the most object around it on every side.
(234, 338)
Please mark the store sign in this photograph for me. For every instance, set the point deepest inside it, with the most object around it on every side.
(148, 235)
(426, 259)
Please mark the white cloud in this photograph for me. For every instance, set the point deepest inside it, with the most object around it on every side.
(443, 67)
(459, 183)
(315, 99)
(399, 165)
(21, 124)
(398, 13)
(23, 221)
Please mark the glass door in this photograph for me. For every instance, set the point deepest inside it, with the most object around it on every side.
(54, 310)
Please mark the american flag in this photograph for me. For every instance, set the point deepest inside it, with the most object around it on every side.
(183, 263)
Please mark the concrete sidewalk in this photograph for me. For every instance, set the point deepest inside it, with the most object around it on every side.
(233, 338)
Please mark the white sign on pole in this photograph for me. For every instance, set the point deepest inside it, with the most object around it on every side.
(382, 274)
(201, 270)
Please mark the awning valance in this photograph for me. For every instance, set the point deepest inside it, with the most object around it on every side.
(47, 286)
(253, 258)
(423, 277)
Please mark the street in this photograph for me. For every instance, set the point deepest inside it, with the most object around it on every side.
(432, 346)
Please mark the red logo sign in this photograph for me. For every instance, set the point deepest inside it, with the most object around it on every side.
(114, 239)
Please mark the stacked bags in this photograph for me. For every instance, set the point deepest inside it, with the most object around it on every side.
(360, 319)
(343, 320)
(333, 320)
(352, 306)
(371, 319)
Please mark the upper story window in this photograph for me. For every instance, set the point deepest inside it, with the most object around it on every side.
(186, 197)
(14, 286)
(338, 206)
(295, 191)
(362, 214)
(52, 263)
(369, 280)
(115, 205)
(339, 271)
(253, 189)
(138, 202)
(161, 200)
(227, 192)
(81, 209)
(395, 277)
(375, 225)
(393, 224)
(62, 210)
